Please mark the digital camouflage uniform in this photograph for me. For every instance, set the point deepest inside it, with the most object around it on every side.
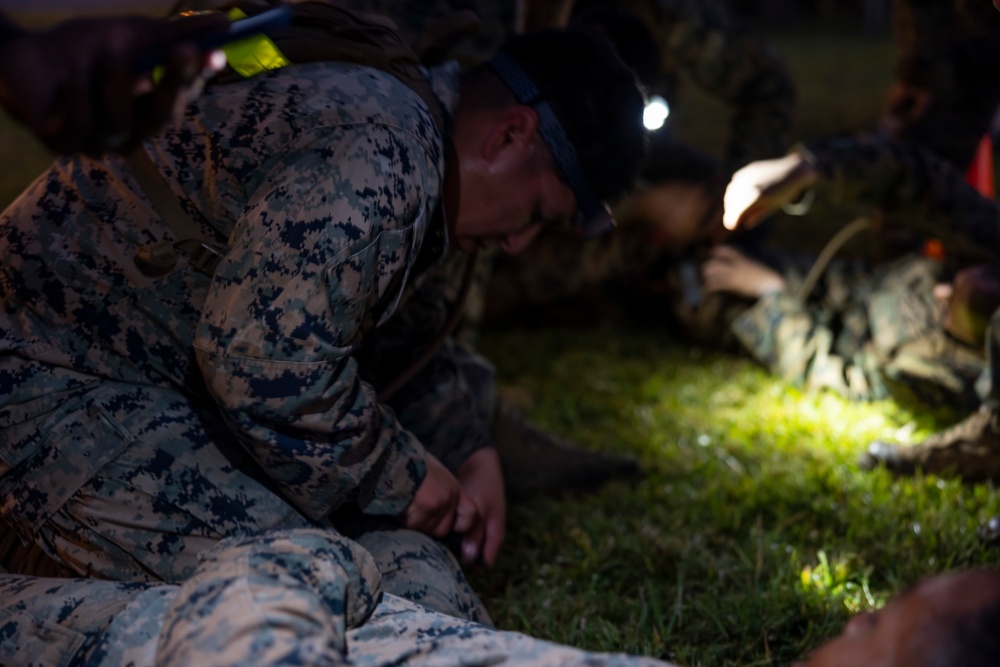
(305, 597)
(417, 21)
(949, 49)
(863, 329)
(146, 418)
(862, 333)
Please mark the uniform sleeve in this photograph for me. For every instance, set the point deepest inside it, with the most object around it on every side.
(319, 256)
(731, 63)
(920, 190)
(787, 339)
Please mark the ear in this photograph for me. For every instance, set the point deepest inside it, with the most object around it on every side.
(511, 134)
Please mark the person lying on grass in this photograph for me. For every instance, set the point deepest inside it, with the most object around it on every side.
(314, 597)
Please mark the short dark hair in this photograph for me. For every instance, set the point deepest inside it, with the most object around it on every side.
(596, 98)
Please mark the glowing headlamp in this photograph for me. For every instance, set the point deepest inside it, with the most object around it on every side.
(655, 114)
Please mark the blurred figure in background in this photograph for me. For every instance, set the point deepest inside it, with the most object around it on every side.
(677, 205)
(947, 80)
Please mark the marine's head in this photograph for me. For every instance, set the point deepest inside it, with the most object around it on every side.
(943, 621)
(548, 132)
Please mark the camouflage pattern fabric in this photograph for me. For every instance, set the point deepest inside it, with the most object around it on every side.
(144, 419)
(420, 569)
(304, 597)
(449, 404)
(416, 18)
(948, 48)
(702, 42)
(915, 188)
(863, 333)
(887, 323)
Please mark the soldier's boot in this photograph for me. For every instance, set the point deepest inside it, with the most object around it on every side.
(534, 461)
(969, 450)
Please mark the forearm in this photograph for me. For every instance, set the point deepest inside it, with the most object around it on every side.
(318, 432)
(921, 190)
(292, 308)
(448, 406)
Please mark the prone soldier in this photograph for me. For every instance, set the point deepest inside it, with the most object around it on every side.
(931, 196)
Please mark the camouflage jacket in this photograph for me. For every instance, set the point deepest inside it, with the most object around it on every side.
(863, 333)
(323, 180)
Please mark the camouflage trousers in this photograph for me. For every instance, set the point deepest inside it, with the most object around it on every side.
(298, 597)
(132, 483)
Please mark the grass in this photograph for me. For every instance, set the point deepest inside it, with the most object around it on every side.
(26, 158)
(753, 535)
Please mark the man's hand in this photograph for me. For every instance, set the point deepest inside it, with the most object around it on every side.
(729, 270)
(75, 85)
(440, 506)
(482, 479)
(762, 188)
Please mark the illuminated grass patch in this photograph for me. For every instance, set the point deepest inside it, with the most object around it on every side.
(753, 535)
